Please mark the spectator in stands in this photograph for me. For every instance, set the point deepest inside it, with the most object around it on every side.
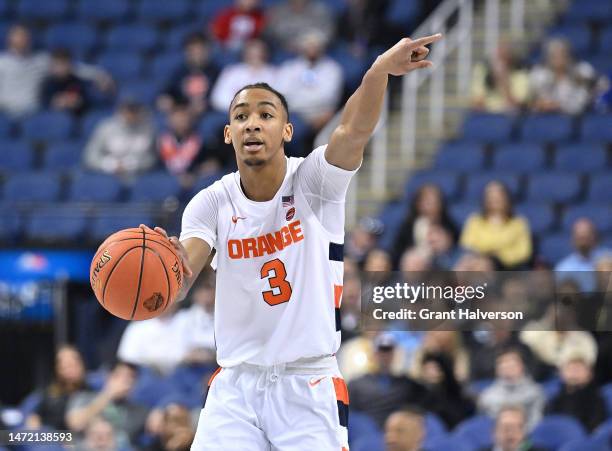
(380, 393)
(312, 82)
(579, 396)
(193, 81)
(111, 403)
(288, 22)
(69, 379)
(124, 143)
(99, 436)
(176, 431)
(512, 387)
(580, 264)
(405, 430)
(253, 69)
(446, 397)
(363, 239)
(510, 433)
(233, 26)
(561, 85)
(427, 207)
(62, 89)
(22, 72)
(362, 25)
(356, 356)
(441, 242)
(501, 84)
(182, 150)
(445, 342)
(415, 259)
(180, 336)
(496, 231)
(351, 301)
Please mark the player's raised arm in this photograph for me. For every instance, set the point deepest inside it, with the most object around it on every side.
(362, 110)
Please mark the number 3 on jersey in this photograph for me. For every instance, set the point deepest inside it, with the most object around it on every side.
(275, 272)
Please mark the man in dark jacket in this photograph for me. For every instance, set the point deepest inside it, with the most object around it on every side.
(381, 393)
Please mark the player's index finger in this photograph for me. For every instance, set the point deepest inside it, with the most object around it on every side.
(425, 40)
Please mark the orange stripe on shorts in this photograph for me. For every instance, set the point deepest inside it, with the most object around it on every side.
(344, 448)
(213, 376)
(337, 295)
(341, 390)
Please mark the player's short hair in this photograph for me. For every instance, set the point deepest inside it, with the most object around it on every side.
(267, 87)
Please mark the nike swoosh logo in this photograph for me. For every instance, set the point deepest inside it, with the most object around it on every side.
(313, 383)
(236, 218)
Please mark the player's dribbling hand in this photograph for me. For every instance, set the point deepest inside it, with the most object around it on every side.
(179, 249)
(406, 56)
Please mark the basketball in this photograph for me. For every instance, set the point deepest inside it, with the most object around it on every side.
(136, 273)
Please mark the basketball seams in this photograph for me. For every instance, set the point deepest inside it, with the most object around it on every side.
(165, 272)
(155, 241)
(125, 252)
(142, 257)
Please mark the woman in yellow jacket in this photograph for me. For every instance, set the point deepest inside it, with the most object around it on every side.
(496, 231)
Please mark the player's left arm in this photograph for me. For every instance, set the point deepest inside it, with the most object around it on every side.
(363, 108)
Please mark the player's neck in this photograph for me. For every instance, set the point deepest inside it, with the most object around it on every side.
(262, 184)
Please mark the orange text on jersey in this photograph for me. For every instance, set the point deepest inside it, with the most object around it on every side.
(265, 244)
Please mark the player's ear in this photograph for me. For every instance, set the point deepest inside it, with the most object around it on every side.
(227, 137)
(288, 132)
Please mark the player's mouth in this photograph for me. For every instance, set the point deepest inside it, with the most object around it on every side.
(253, 145)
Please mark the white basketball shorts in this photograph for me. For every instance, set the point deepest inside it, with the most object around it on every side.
(298, 406)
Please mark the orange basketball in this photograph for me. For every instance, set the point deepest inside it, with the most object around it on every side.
(136, 273)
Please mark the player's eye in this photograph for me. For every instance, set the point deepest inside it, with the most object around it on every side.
(266, 115)
(240, 117)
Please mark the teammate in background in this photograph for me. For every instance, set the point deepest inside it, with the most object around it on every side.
(277, 225)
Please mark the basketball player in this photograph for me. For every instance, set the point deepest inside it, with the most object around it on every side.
(277, 225)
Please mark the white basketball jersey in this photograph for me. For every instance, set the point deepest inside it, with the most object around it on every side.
(279, 263)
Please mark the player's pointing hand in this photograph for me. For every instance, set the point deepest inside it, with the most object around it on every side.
(406, 56)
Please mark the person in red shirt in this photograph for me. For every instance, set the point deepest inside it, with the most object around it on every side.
(235, 25)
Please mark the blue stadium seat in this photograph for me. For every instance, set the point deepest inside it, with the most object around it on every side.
(434, 426)
(211, 126)
(447, 181)
(589, 11)
(403, 13)
(5, 9)
(146, 91)
(541, 217)
(392, 217)
(606, 392)
(553, 248)
(555, 430)
(76, 37)
(10, 223)
(164, 65)
(586, 444)
(554, 187)
(479, 385)
(476, 432)
(600, 214)
(92, 120)
(49, 10)
(47, 126)
(601, 62)
(55, 224)
(109, 221)
(519, 158)
(551, 387)
(222, 56)
(122, 65)
(207, 10)
(5, 126)
(596, 127)
(33, 187)
(546, 128)
(461, 156)
(476, 184)
(605, 39)
(63, 155)
(163, 10)
(175, 37)
(445, 444)
(301, 130)
(15, 156)
(204, 182)
(460, 212)
(599, 188)
(581, 158)
(132, 38)
(150, 387)
(361, 425)
(578, 35)
(353, 68)
(369, 443)
(94, 187)
(488, 128)
(155, 187)
(108, 10)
